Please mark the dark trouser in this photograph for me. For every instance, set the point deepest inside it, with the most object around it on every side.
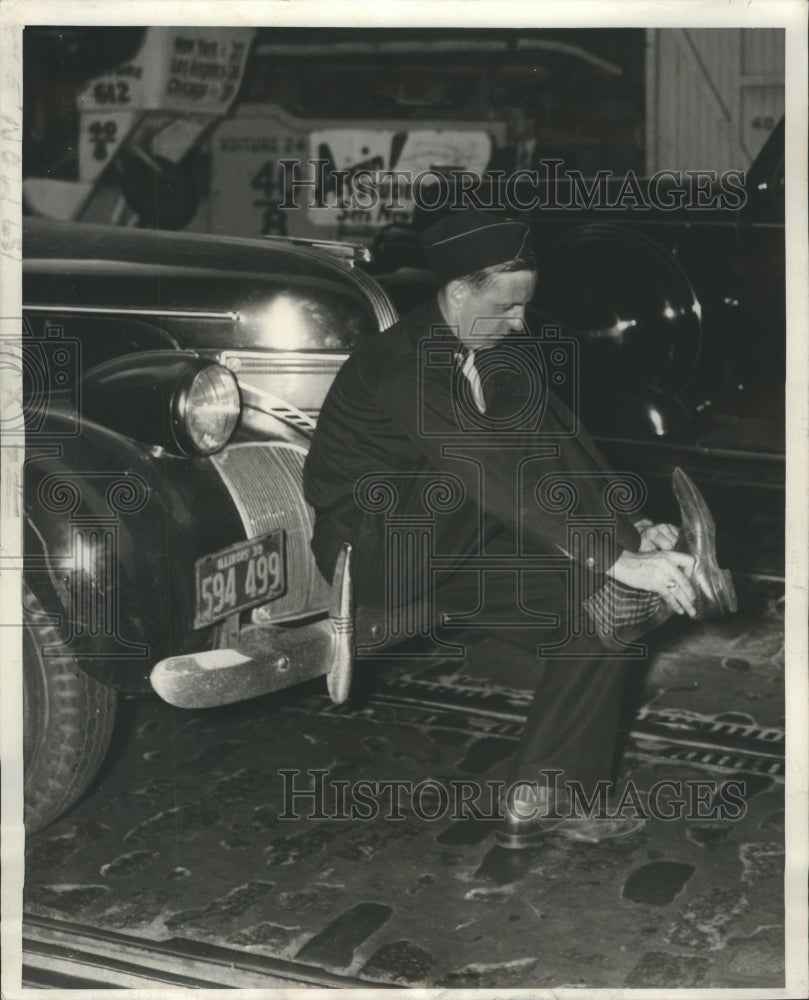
(572, 725)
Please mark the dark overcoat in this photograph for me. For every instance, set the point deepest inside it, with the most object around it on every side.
(400, 412)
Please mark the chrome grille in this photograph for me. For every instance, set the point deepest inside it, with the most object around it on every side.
(266, 484)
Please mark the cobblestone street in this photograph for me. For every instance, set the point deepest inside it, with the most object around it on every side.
(182, 839)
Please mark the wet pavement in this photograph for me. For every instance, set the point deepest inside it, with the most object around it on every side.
(184, 836)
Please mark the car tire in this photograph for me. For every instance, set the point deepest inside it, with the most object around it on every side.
(68, 720)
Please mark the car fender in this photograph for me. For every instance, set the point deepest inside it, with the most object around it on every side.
(627, 299)
(112, 529)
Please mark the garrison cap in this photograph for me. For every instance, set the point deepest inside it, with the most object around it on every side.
(469, 241)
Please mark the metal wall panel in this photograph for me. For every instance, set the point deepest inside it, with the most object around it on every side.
(762, 49)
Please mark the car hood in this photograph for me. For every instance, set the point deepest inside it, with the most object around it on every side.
(206, 291)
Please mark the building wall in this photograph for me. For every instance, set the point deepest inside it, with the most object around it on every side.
(713, 95)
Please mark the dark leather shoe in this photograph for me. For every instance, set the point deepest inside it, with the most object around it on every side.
(716, 594)
(524, 827)
(620, 615)
(516, 833)
(522, 834)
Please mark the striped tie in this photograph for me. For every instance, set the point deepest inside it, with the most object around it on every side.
(472, 376)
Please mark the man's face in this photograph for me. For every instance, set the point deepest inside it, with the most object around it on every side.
(488, 314)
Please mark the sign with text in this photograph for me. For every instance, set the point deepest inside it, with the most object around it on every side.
(368, 174)
(186, 73)
(346, 182)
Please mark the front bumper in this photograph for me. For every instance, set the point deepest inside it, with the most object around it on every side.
(267, 658)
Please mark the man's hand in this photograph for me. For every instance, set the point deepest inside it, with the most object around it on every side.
(663, 572)
(656, 537)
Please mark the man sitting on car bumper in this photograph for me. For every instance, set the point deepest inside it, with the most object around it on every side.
(456, 396)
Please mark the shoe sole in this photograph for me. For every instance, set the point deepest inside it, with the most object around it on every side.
(728, 591)
(520, 841)
(719, 581)
(527, 838)
(569, 831)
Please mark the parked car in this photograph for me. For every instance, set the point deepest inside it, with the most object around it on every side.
(679, 310)
(172, 382)
(171, 385)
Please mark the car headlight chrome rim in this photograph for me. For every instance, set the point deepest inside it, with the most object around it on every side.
(210, 409)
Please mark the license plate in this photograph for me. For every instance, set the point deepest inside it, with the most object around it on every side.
(240, 577)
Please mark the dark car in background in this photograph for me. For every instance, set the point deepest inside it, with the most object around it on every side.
(171, 385)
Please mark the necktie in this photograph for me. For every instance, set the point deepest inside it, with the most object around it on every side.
(472, 376)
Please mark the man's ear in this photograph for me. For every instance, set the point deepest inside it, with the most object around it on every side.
(457, 291)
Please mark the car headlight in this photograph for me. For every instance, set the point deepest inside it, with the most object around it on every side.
(209, 409)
